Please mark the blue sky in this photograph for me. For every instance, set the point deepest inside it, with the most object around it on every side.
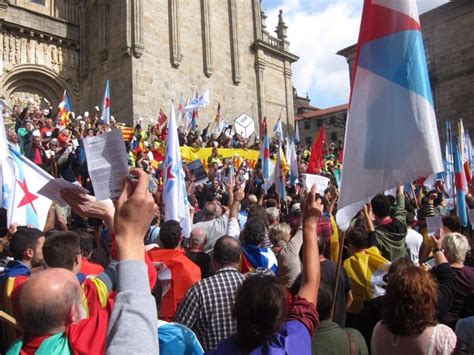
(317, 29)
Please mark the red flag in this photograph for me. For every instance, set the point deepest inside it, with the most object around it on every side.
(316, 161)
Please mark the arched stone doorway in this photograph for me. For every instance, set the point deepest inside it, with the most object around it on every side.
(27, 82)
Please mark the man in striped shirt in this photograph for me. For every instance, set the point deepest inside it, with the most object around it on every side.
(207, 306)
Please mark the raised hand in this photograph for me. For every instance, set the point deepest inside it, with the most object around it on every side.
(134, 212)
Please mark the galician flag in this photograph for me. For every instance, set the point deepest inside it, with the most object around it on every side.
(391, 133)
(278, 129)
(279, 176)
(21, 179)
(106, 104)
(174, 187)
(266, 157)
(293, 162)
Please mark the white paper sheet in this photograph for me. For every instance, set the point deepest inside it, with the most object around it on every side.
(321, 182)
(53, 188)
(107, 163)
(434, 224)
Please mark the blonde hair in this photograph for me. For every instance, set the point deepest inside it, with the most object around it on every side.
(456, 247)
(280, 234)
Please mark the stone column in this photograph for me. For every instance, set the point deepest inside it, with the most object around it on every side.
(126, 23)
(234, 41)
(2, 51)
(290, 110)
(84, 63)
(261, 99)
(103, 29)
(257, 18)
(175, 46)
(137, 28)
(206, 37)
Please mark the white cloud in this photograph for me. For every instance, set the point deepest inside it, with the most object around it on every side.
(317, 31)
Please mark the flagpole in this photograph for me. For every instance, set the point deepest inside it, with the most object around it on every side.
(338, 273)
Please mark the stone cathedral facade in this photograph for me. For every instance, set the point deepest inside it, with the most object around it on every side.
(151, 51)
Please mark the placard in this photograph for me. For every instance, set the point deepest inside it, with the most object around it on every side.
(244, 125)
(434, 224)
(321, 182)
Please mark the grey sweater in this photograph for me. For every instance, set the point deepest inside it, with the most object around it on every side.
(134, 321)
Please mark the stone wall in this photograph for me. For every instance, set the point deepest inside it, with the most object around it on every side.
(199, 56)
(449, 44)
(106, 56)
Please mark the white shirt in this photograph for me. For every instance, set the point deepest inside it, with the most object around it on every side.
(413, 241)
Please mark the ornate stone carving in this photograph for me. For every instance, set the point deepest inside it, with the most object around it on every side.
(206, 38)
(234, 41)
(282, 27)
(175, 46)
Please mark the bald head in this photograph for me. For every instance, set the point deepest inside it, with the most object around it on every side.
(197, 238)
(49, 301)
(209, 211)
(227, 252)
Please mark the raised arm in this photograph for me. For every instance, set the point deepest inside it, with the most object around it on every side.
(134, 315)
(312, 210)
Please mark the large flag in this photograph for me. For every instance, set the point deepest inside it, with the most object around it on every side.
(391, 133)
(266, 156)
(366, 270)
(219, 119)
(449, 161)
(278, 129)
(199, 101)
(316, 160)
(21, 181)
(174, 187)
(106, 104)
(297, 134)
(461, 185)
(279, 176)
(64, 110)
(464, 151)
(3, 156)
(293, 162)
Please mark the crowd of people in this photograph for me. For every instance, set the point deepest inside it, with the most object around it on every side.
(258, 274)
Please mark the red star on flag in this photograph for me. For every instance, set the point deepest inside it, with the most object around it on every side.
(169, 174)
(107, 103)
(28, 198)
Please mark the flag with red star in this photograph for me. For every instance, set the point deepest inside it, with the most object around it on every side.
(22, 179)
(174, 187)
(106, 104)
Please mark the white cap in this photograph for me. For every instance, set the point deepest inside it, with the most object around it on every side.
(86, 114)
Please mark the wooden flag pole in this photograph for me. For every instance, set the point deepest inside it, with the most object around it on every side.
(338, 273)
